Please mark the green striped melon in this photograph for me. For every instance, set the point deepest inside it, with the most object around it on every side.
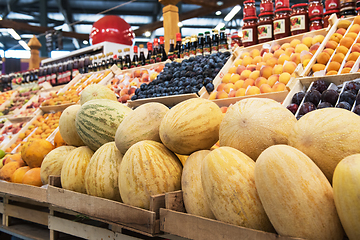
(102, 173)
(97, 121)
(141, 124)
(96, 91)
(148, 168)
(74, 168)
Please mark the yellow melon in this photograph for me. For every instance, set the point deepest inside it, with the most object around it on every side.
(227, 177)
(67, 126)
(148, 168)
(193, 193)
(346, 194)
(254, 124)
(190, 126)
(296, 195)
(327, 136)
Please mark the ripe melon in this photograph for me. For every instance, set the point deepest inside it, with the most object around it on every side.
(296, 195)
(102, 173)
(148, 168)
(346, 194)
(327, 136)
(96, 91)
(97, 121)
(74, 168)
(193, 193)
(53, 162)
(254, 124)
(227, 177)
(67, 126)
(190, 126)
(141, 124)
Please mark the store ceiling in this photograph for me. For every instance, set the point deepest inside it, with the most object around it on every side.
(142, 15)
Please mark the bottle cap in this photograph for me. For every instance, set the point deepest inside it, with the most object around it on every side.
(141, 45)
(135, 49)
(178, 37)
(149, 46)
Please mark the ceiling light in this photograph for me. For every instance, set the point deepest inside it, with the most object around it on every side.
(219, 3)
(14, 34)
(220, 25)
(86, 42)
(218, 13)
(24, 45)
(232, 13)
(180, 24)
(147, 34)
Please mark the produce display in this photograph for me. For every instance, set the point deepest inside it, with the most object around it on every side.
(8, 131)
(4, 96)
(20, 99)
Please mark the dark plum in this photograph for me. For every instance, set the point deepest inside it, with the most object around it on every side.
(209, 87)
(357, 110)
(352, 86)
(344, 105)
(330, 96)
(293, 108)
(313, 96)
(306, 107)
(320, 85)
(324, 105)
(358, 99)
(298, 97)
(347, 96)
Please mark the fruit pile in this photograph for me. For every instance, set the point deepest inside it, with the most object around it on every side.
(4, 96)
(20, 99)
(189, 76)
(10, 130)
(266, 70)
(321, 95)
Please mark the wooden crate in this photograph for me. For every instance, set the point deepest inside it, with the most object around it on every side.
(169, 101)
(128, 217)
(175, 221)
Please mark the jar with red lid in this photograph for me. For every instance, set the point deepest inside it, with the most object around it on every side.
(265, 27)
(316, 8)
(347, 3)
(332, 5)
(299, 19)
(266, 6)
(358, 11)
(249, 9)
(282, 23)
(346, 12)
(282, 4)
(249, 32)
(327, 16)
(316, 23)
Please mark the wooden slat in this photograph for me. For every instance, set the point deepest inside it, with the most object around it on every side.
(157, 202)
(22, 190)
(26, 214)
(174, 201)
(1, 208)
(26, 231)
(168, 101)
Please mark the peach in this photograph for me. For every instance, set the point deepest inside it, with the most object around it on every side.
(351, 35)
(240, 92)
(285, 46)
(278, 69)
(232, 93)
(238, 62)
(355, 47)
(273, 79)
(301, 47)
(254, 53)
(260, 81)
(248, 82)
(247, 61)
(212, 95)
(239, 69)
(239, 84)
(353, 56)
(244, 54)
(317, 39)
(341, 31)
(342, 49)
(346, 70)
(331, 44)
(263, 51)
(228, 87)
(333, 66)
(338, 57)
(355, 28)
(344, 23)
(314, 48)
(283, 58)
(358, 40)
(221, 95)
(223, 109)
(305, 56)
(234, 78)
(357, 20)
(132, 90)
(336, 37)
(295, 42)
(289, 51)
(221, 87)
(232, 70)
(307, 41)
(323, 58)
(275, 48)
(317, 67)
(245, 74)
(266, 71)
(331, 73)
(271, 62)
(267, 56)
(254, 75)
(279, 87)
(289, 67)
(306, 62)
(253, 90)
(259, 65)
(346, 41)
(256, 60)
(251, 67)
(278, 53)
(284, 78)
(226, 78)
(295, 58)
(329, 51)
(124, 92)
(265, 88)
(349, 64)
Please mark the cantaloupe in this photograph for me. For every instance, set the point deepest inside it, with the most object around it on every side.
(346, 194)
(74, 168)
(67, 126)
(148, 168)
(327, 136)
(254, 124)
(190, 126)
(193, 193)
(96, 91)
(141, 124)
(102, 173)
(53, 162)
(227, 177)
(296, 195)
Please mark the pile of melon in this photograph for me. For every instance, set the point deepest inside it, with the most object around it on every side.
(270, 173)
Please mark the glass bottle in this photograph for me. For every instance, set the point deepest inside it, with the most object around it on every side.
(119, 60)
(111, 59)
(299, 20)
(103, 62)
(182, 51)
(249, 32)
(193, 44)
(127, 64)
(135, 61)
(200, 44)
(187, 47)
(282, 23)
(90, 66)
(142, 55)
(223, 44)
(265, 27)
(215, 41)
(149, 59)
(178, 45)
(207, 44)
(156, 50)
(171, 53)
(162, 49)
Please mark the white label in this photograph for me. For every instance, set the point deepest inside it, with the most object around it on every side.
(279, 26)
(297, 22)
(264, 31)
(247, 35)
